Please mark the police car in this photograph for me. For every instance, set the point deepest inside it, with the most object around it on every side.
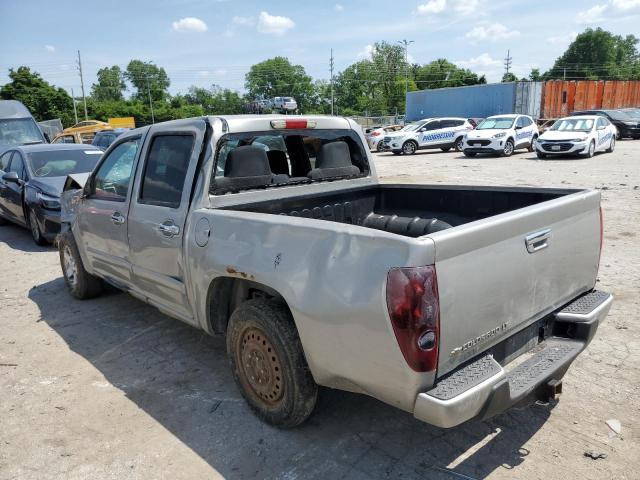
(578, 135)
(442, 133)
(501, 135)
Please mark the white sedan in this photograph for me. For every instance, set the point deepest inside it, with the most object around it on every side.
(579, 135)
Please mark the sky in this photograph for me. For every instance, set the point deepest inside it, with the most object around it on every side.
(205, 42)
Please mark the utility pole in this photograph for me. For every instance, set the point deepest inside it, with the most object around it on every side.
(153, 120)
(84, 99)
(331, 70)
(75, 112)
(564, 73)
(406, 44)
(507, 63)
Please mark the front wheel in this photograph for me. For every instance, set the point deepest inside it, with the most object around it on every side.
(592, 150)
(34, 228)
(612, 144)
(409, 147)
(81, 284)
(268, 363)
(507, 151)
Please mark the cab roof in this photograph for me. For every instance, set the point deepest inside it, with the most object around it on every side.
(50, 147)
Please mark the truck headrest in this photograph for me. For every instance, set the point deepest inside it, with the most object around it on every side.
(333, 155)
(247, 161)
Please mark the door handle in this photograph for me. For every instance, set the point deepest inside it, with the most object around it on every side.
(169, 229)
(117, 218)
(538, 240)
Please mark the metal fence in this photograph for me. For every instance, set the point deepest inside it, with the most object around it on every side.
(380, 120)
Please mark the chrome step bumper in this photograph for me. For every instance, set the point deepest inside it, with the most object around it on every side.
(483, 388)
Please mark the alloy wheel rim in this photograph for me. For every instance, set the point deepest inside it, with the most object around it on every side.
(459, 145)
(592, 149)
(508, 148)
(70, 268)
(260, 366)
(409, 148)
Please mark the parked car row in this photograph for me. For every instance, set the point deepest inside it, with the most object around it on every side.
(594, 131)
(286, 105)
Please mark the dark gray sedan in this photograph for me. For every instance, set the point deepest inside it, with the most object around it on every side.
(31, 181)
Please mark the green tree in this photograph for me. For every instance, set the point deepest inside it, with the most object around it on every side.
(44, 101)
(598, 54)
(215, 101)
(277, 77)
(509, 77)
(147, 77)
(535, 75)
(110, 85)
(390, 70)
(442, 73)
(358, 90)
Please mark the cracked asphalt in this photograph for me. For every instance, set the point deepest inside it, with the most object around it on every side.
(110, 388)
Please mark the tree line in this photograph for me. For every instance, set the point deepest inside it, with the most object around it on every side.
(372, 86)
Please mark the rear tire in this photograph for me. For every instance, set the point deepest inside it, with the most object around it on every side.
(34, 228)
(268, 363)
(469, 154)
(532, 147)
(459, 144)
(80, 283)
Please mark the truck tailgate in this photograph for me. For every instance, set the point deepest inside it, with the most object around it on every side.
(491, 285)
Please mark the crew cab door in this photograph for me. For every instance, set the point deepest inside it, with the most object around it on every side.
(158, 213)
(102, 214)
(603, 134)
(5, 159)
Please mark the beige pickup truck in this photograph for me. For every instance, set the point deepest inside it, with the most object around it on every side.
(449, 302)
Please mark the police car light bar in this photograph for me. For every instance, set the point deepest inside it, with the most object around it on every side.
(292, 124)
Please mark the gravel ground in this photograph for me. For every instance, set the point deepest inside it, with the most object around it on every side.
(110, 388)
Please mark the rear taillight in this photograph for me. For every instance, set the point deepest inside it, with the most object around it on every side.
(414, 310)
(375, 134)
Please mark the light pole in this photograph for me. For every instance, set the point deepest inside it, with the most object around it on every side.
(405, 43)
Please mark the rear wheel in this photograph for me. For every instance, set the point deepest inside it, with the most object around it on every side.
(268, 363)
(80, 283)
(409, 147)
(459, 144)
(507, 151)
(379, 147)
(532, 145)
(612, 144)
(469, 154)
(34, 228)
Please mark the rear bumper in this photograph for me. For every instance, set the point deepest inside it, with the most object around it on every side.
(483, 388)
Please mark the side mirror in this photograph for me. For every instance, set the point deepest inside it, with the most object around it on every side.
(423, 129)
(11, 177)
(601, 127)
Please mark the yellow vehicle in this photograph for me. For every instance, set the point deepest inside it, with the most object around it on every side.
(81, 132)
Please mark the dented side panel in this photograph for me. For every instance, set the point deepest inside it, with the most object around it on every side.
(332, 276)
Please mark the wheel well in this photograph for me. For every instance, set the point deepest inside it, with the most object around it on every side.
(225, 294)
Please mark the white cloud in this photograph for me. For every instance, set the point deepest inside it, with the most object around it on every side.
(243, 21)
(274, 24)
(338, 7)
(593, 15)
(467, 6)
(432, 6)
(484, 60)
(189, 24)
(50, 48)
(495, 31)
(562, 39)
(365, 53)
(626, 4)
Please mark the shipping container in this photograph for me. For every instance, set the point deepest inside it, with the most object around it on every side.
(561, 98)
(476, 100)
